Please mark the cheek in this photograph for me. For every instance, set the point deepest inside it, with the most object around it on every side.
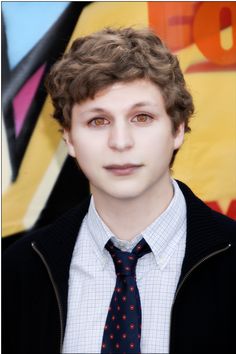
(82, 143)
(88, 151)
(87, 162)
(159, 144)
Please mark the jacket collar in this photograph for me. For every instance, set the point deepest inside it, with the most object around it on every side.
(204, 233)
(57, 242)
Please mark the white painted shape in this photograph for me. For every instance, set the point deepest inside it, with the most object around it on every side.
(43, 191)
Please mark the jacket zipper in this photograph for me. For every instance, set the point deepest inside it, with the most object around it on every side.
(188, 274)
(34, 246)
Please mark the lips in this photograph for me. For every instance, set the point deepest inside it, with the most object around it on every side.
(123, 170)
(121, 167)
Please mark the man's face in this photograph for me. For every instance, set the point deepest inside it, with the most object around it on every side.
(123, 140)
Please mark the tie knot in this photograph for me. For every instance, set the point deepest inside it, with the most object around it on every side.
(125, 262)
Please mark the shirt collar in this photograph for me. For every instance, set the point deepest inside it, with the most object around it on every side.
(162, 235)
(99, 232)
(166, 231)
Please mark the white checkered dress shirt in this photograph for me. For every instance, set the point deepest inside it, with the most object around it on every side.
(92, 279)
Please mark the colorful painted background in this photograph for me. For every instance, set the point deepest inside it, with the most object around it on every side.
(40, 181)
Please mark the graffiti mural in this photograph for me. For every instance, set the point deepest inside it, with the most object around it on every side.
(39, 181)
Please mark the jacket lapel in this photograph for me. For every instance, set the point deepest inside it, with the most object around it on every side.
(56, 244)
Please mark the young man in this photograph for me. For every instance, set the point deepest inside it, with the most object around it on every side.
(144, 265)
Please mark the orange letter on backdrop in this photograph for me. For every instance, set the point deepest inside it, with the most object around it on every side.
(173, 22)
(206, 31)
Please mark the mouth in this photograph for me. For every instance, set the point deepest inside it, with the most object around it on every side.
(123, 170)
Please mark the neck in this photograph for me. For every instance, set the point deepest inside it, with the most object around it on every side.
(126, 218)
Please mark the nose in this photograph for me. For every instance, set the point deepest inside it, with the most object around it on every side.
(120, 137)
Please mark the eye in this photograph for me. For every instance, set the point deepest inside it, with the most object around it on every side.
(142, 118)
(98, 122)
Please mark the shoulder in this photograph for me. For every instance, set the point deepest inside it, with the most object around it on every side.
(203, 218)
(223, 220)
(226, 225)
(63, 229)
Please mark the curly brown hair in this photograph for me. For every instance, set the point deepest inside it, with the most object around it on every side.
(101, 59)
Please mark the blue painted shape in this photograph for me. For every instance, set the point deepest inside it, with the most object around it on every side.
(26, 23)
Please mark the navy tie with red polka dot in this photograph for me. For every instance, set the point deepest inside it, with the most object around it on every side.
(122, 332)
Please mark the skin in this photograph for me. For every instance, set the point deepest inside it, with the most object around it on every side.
(125, 123)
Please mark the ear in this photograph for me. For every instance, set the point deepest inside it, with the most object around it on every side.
(69, 143)
(179, 136)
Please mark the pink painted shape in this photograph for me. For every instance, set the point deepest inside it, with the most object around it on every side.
(24, 97)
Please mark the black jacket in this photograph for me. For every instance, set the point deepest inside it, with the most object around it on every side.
(35, 285)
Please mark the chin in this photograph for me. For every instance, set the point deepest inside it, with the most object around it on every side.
(125, 193)
(124, 196)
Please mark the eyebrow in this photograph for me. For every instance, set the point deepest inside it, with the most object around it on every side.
(136, 105)
(141, 104)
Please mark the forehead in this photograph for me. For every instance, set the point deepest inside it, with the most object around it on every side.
(123, 96)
